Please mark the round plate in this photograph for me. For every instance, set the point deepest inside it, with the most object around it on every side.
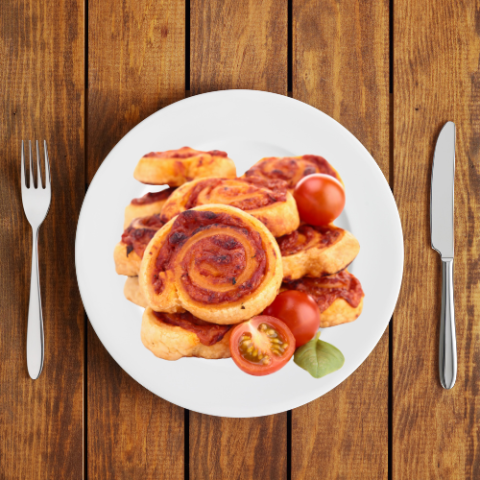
(248, 125)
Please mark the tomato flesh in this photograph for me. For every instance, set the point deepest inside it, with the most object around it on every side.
(300, 313)
(262, 346)
(320, 199)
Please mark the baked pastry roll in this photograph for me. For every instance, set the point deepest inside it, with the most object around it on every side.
(175, 167)
(291, 169)
(339, 297)
(269, 201)
(149, 204)
(175, 335)
(133, 293)
(317, 251)
(128, 252)
(216, 261)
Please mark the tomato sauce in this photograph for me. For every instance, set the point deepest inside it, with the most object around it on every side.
(153, 197)
(325, 290)
(308, 236)
(183, 153)
(138, 235)
(291, 169)
(208, 333)
(240, 193)
(216, 259)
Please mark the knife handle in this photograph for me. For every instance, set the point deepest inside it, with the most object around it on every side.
(448, 342)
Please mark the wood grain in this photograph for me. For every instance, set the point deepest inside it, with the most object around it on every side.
(437, 78)
(136, 65)
(340, 65)
(238, 44)
(42, 84)
(241, 448)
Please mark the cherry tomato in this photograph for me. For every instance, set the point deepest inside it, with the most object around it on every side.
(262, 345)
(320, 198)
(299, 311)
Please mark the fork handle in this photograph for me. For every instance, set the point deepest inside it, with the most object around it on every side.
(35, 317)
(448, 342)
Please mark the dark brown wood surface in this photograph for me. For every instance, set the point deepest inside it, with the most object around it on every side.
(238, 44)
(82, 73)
(341, 66)
(136, 65)
(42, 96)
(436, 78)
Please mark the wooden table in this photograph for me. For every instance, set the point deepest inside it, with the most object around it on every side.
(82, 73)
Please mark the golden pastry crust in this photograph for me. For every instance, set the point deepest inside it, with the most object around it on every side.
(126, 262)
(291, 169)
(215, 261)
(173, 342)
(340, 312)
(145, 206)
(317, 251)
(175, 167)
(270, 202)
(339, 297)
(133, 293)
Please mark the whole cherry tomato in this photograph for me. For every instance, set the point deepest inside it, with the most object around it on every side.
(320, 199)
(299, 311)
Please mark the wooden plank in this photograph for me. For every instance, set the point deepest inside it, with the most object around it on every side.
(238, 44)
(340, 65)
(42, 84)
(136, 65)
(437, 78)
(238, 448)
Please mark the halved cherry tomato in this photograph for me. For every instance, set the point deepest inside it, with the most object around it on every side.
(262, 345)
(320, 199)
(299, 311)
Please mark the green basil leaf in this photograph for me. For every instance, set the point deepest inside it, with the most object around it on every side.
(319, 358)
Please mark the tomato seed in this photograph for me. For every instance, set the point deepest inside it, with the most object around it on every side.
(271, 332)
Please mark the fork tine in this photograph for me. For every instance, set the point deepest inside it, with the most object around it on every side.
(47, 166)
(22, 173)
(31, 184)
(39, 169)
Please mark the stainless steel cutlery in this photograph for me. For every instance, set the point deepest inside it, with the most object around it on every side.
(442, 229)
(36, 202)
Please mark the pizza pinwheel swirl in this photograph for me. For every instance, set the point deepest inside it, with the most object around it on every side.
(291, 169)
(129, 251)
(269, 201)
(216, 261)
(175, 335)
(175, 167)
(339, 297)
(317, 251)
(149, 204)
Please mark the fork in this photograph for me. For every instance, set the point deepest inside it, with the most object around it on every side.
(36, 202)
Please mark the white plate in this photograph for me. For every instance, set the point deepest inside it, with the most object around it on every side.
(248, 125)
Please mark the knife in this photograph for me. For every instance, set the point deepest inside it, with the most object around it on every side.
(441, 229)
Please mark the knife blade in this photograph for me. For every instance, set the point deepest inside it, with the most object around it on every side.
(443, 173)
(442, 237)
